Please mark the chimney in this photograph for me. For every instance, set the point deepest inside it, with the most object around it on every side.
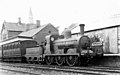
(38, 23)
(27, 27)
(82, 28)
(19, 20)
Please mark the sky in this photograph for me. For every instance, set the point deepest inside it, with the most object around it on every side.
(93, 13)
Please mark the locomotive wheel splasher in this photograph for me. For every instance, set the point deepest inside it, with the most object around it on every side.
(71, 60)
(60, 60)
(49, 60)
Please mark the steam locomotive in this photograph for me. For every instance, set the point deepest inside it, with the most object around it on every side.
(68, 50)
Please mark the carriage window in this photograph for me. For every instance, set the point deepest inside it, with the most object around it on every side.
(3, 47)
(10, 46)
(16, 45)
(6, 46)
(13, 45)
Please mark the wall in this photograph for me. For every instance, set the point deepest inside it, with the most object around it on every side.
(119, 39)
(4, 34)
(40, 36)
(31, 26)
(109, 38)
(13, 33)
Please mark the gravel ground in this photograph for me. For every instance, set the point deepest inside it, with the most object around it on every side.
(5, 72)
(39, 72)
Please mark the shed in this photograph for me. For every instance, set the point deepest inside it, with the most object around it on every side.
(110, 36)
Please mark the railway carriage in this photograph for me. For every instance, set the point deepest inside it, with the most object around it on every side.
(0, 53)
(15, 50)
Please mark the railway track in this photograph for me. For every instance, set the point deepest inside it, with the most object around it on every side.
(81, 70)
(17, 71)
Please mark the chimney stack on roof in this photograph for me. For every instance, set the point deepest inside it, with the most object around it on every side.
(38, 23)
(19, 20)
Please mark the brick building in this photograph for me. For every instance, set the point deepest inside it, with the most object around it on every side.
(38, 34)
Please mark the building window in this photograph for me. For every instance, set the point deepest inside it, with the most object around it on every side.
(4, 36)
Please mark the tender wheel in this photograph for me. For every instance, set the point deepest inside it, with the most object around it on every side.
(59, 60)
(34, 60)
(29, 60)
(49, 60)
(71, 60)
(39, 61)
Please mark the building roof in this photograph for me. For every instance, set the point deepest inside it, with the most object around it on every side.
(32, 32)
(99, 29)
(14, 26)
(102, 28)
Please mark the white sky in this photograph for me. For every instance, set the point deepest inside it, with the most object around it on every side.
(93, 13)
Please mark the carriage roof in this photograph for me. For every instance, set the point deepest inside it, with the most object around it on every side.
(15, 40)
